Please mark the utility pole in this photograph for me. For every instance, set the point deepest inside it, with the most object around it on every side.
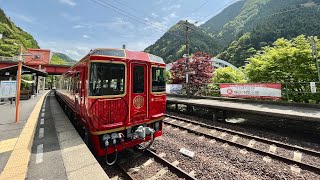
(315, 55)
(18, 85)
(187, 58)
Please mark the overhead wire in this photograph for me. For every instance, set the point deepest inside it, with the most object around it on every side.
(132, 16)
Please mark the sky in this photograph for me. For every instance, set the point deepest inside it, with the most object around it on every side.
(73, 27)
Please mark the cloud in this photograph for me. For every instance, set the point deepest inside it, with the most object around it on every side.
(78, 26)
(154, 15)
(174, 6)
(22, 17)
(68, 2)
(85, 36)
(70, 17)
(173, 15)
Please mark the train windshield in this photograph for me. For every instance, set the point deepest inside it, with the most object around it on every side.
(158, 79)
(106, 79)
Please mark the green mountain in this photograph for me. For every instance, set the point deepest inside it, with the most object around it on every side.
(13, 37)
(61, 59)
(171, 46)
(215, 24)
(295, 18)
(246, 26)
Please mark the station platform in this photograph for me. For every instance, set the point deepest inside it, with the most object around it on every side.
(271, 110)
(44, 144)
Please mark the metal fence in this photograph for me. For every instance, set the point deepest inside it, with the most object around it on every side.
(290, 91)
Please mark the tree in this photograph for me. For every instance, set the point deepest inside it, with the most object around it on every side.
(200, 69)
(168, 77)
(288, 62)
(228, 75)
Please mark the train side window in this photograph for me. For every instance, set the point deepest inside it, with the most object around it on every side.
(106, 79)
(158, 79)
(77, 82)
(138, 79)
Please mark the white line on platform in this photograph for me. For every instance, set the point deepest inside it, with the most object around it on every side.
(39, 157)
(42, 114)
(41, 132)
(42, 121)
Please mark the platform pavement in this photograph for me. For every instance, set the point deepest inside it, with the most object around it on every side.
(50, 148)
(281, 111)
(9, 130)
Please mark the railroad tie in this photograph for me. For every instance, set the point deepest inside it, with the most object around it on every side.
(201, 137)
(187, 125)
(213, 131)
(222, 135)
(234, 138)
(172, 121)
(162, 155)
(295, 169)
(297, 156)
(175, 163)
(267, 159)
(251, 143)
(195, 127)
(193, 173)
(159, 174)
(243, 151)
(212, 141)
(273, 149)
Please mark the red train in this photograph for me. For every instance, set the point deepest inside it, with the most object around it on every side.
(117, 96)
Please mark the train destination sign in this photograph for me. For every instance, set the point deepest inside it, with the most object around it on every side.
(263, 91)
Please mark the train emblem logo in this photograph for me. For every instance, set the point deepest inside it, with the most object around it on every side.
(138, 102)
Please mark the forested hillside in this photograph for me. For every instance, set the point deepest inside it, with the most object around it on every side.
(171, 45)
(61, 59)
(305, 21)
(13, 37)
(245, 27)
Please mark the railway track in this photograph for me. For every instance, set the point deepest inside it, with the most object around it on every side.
(220, 134)
(167, 166)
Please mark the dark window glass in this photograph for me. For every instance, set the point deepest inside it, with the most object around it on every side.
(138, 79)
(158, 79)
(157, 59)
(106, 79)
(110, 52)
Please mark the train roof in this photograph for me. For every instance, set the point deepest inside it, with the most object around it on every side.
(127, 54)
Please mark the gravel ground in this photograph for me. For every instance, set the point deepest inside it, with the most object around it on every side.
(260, 145)
(302, 134)
(214, 161)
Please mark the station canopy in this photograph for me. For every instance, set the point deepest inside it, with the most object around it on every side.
(12, 70)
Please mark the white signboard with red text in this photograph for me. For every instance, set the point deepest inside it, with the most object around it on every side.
(263, 91)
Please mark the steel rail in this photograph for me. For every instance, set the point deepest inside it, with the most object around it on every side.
(178, 171)
(125, 173)
(265, 153)
(277, 143)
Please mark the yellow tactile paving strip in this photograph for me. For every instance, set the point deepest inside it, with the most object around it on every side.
(17, 165)
(7, 145)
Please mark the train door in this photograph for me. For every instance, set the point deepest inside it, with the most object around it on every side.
(77, 92)
(82, 91)
(139, 101)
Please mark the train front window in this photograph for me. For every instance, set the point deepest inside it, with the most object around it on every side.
(106, 79)
(158, 79)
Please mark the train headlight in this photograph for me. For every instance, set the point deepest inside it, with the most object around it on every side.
(106, 138)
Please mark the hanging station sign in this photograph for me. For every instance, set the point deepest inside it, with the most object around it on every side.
(260, 91)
